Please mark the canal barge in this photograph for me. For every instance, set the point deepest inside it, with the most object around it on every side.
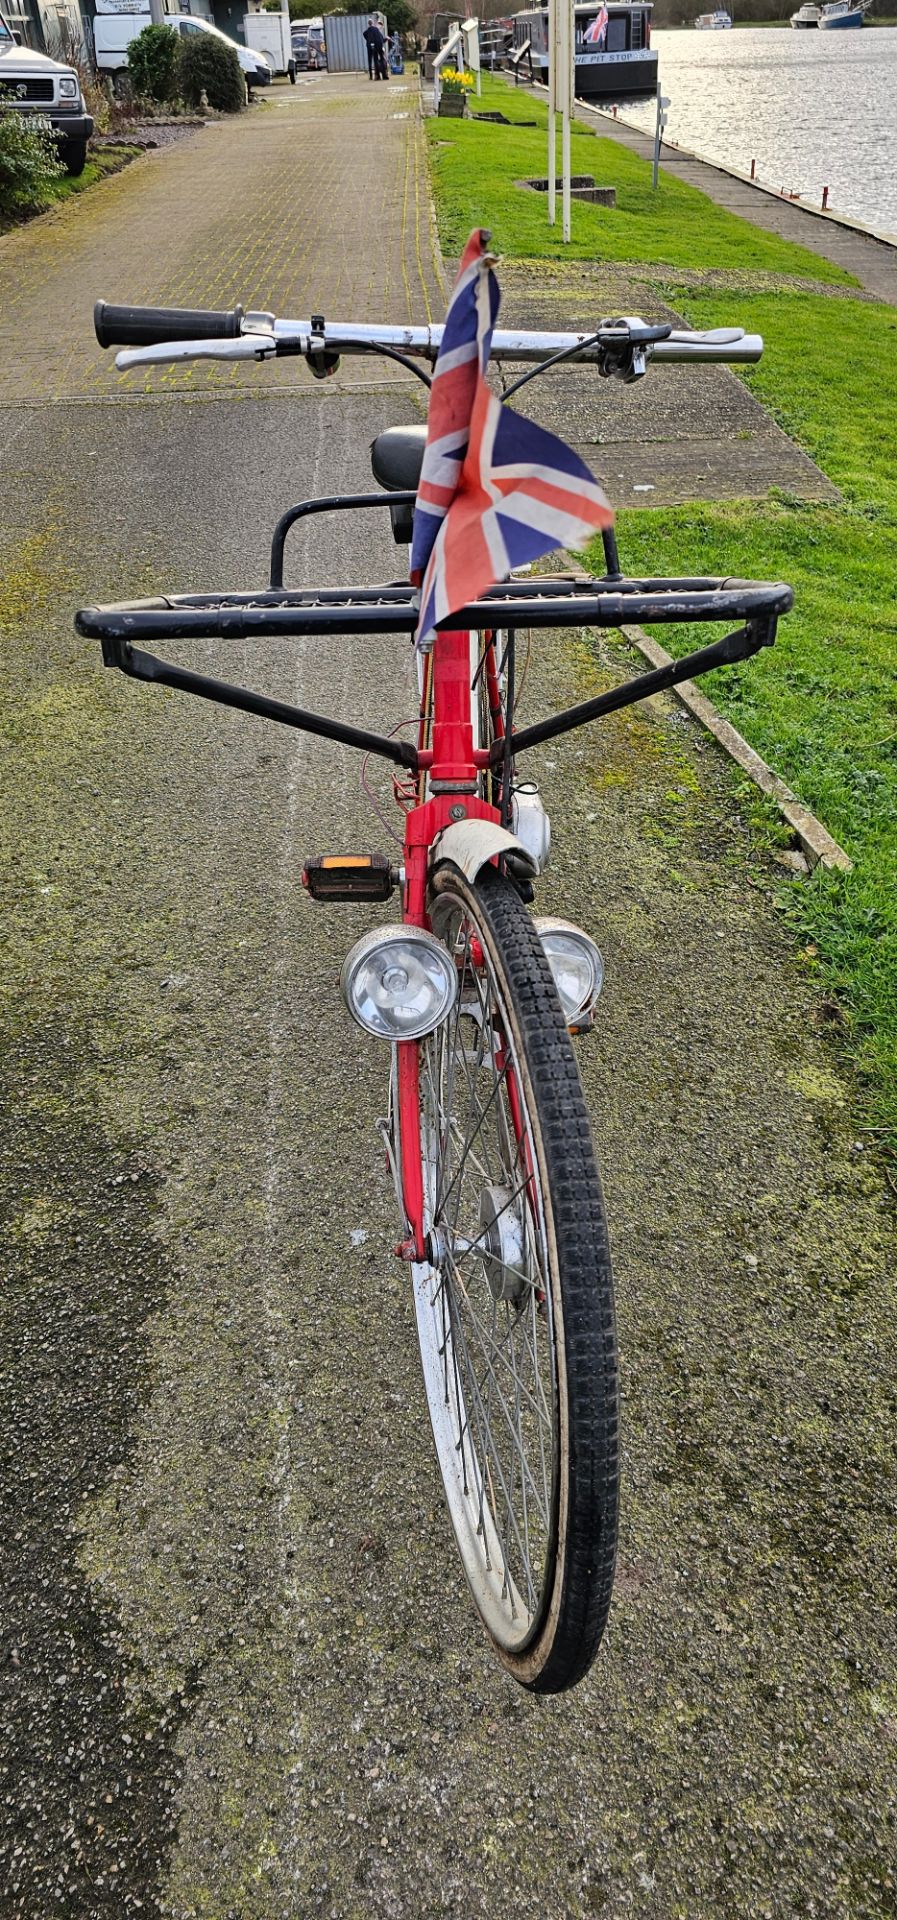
(613, 61)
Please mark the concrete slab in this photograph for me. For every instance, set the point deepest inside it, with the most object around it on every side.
(685, 433)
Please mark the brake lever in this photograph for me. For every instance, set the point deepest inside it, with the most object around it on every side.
(624, 343)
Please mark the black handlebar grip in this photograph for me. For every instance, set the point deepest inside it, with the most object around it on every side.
(152, 326)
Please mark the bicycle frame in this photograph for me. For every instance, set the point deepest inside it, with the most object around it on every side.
(446, 764)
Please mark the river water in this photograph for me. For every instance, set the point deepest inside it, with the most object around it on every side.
(812, 109)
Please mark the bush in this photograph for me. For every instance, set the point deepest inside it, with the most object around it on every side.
(29, 165)
(154, 60)
(210, 66)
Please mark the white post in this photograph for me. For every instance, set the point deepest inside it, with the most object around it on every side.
(566, 44)
(662, 104)
(471, 32)
(552, 99)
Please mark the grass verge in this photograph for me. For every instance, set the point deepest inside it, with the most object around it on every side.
(101, 163)
(822, 705)
(477, 164)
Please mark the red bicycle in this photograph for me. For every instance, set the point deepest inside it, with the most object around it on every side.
(487, 1134)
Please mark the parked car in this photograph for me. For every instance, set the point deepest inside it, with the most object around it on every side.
(113, 33)
(48, 90)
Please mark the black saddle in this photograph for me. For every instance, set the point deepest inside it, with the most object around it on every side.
(396, 459)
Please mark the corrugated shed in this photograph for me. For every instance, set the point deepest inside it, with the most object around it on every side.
(346, 51)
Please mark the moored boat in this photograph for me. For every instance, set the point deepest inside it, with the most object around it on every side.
(612, 54)
(843, 13)
(807, 15)
(713, 22)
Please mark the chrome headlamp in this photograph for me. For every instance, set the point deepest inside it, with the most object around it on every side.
(578, 970)
(399, 983)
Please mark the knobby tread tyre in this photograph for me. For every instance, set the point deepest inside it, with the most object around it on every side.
(574, 1617)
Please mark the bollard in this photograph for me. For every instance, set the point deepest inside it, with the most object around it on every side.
(753, 169)
(824, 198)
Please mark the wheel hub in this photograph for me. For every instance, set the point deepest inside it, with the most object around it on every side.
(502, 1243)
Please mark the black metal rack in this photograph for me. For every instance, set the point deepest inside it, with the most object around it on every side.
(552, 600)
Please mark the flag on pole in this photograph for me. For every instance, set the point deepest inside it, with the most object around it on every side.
(496, 490)
(595, 33)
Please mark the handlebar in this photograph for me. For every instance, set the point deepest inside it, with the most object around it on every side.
(154, 336)
(147, 326)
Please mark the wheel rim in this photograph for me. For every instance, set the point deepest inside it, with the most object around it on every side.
(486, 1313)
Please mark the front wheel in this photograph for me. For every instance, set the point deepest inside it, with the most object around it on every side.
(74, 157)
(515, 1307)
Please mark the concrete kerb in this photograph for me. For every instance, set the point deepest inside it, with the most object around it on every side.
(816, 843)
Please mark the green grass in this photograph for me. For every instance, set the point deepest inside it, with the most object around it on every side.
(822, 705)
(105, 161)
(476, 164)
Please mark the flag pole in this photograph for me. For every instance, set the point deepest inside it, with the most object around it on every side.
(552, 99)
(566, 80)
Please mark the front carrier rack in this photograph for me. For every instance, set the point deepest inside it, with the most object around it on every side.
(551, 600)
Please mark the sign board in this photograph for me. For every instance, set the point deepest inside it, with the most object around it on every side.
(470, 31)
(122, 6)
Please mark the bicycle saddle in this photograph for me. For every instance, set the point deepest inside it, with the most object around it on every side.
(396, 458)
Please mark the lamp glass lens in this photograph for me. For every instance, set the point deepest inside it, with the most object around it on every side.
(576, 965)
(402, 988)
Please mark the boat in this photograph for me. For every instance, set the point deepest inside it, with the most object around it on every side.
(612, 56)
(712, 22)
(843, 13)
(807, 15)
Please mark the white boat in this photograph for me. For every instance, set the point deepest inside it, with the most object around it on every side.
(843, 13)
(807, 15)
(712, 22)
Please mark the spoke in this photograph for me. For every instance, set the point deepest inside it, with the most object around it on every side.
(490, 1444)
(512, 1426)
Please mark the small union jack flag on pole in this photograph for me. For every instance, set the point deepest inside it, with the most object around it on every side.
(495, 491)
(595, 33)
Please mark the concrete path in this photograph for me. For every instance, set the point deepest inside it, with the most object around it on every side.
(873, 262)
(242, 1676)
(684, 433)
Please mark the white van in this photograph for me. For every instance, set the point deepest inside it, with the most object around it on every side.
(113, 33)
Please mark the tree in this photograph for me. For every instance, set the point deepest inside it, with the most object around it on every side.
(311, 9)
(401, 16)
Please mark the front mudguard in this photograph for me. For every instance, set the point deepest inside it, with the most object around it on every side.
(470, 845)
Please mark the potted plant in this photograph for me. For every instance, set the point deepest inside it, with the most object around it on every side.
(454, 86)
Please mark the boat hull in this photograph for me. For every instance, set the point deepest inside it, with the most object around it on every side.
(850, 20)
(616, 77)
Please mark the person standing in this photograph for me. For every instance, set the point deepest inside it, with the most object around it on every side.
(376, 46)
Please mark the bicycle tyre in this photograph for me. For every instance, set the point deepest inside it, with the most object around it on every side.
(549, 1640)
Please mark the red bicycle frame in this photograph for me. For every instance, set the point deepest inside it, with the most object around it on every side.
(452, 765)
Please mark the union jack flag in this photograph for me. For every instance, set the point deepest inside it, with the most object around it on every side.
(595, 33)
(495, 491)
